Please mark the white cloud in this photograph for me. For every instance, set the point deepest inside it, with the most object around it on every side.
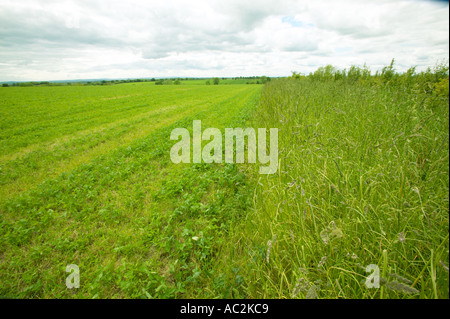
(49, 40)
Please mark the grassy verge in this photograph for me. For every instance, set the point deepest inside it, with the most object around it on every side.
(362, 180)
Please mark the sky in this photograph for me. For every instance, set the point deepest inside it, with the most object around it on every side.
(91, 39)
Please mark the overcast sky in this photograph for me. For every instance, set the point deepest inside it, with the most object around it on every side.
(59, 40)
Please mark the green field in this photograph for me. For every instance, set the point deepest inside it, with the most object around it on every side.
(363, 178)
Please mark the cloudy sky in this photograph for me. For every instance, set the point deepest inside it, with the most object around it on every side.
(85, 39)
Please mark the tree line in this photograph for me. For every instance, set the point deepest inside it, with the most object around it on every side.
(432, 80)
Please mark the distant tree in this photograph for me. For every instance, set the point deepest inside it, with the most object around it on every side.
(208, 82)
(5, 85)
(265, 79)
(325, 73)
(216, 81)
(388, 72)
(297, 76)
(354, 73)
(177, 82)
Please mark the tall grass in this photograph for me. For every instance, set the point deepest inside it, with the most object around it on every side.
(363, 179)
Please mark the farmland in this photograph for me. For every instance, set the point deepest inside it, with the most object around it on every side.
(363, 179)
(86, 179)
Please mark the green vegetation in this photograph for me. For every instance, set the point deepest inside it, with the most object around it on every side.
(167, 81)
(363, 179)
(87, 180)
